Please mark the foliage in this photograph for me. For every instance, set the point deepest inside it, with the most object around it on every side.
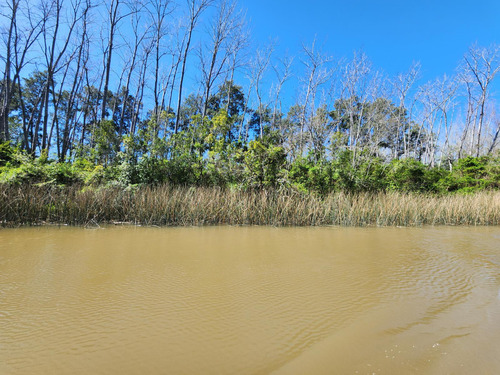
(6, 153)
(355, 148)
(264, 163)
(106, 141)
(472, 174)
(407, 175)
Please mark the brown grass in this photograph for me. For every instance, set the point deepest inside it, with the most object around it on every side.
(179, 206)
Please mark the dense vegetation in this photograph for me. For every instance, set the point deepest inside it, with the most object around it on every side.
(127, 95)
(250, 185)
(260, 164)
(167, 205)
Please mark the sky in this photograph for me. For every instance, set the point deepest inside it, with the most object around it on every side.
(392, 33)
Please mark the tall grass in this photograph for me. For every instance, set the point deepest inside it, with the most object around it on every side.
(181, 206)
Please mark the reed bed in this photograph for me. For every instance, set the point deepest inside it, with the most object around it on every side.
(188, 206)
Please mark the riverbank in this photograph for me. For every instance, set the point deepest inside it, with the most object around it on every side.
(166, 205)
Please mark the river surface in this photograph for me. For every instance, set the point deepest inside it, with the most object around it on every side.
(250, 300)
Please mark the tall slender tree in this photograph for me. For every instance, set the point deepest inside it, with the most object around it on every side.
(195, 10)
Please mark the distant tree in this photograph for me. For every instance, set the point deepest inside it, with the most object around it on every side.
(195, 10)
(216, 54)
(481, 65)
(258, 66)
(317, 73)
(231, 99)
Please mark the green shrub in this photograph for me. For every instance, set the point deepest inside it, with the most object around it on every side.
(96, 177)
(6, 153)
(307, 175)
(62, 173)
(183, 170)
(264, 165)
(407, 175)
(371, 175)
(151, 170)
(471, 174)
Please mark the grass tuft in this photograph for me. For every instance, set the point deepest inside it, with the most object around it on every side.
(185, 206)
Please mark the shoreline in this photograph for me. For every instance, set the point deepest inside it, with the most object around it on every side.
(170, 206)
(112, 225)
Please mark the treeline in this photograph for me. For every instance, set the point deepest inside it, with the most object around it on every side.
(260, 166)
(145, 91)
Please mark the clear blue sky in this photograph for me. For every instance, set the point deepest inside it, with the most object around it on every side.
(393, 33)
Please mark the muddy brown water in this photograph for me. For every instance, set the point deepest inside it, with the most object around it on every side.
(250, 300)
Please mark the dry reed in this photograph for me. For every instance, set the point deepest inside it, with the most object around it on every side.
(184, 206)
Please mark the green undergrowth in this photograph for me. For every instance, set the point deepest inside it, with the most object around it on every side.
(257, 168)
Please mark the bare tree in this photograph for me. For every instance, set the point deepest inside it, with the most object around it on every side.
(258, 67)
(481, 66)
(355, 92)
(161, 9)
(237, 45)
(140, 34)
(429, 114)
(78, 76)
(221, 30)
(283, 71)
(494, 139)
(144, 58)
(402, 86)
(176, 52)
(7, 83)
(195, 10)
(444, 95)
(317, 74)
(470, 117)
(53, 49)
(76, 11)
(22, 32)
(115, 16)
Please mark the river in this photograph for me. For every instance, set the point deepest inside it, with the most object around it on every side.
(250, 300)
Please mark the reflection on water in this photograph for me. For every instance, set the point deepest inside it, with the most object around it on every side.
(249, 300)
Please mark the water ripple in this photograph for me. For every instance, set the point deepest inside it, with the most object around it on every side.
(127, 300)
